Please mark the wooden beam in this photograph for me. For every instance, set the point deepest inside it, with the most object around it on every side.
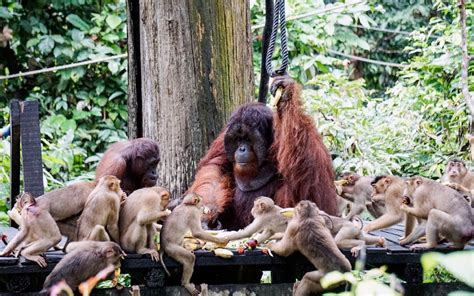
(31, 148)
(14, 151)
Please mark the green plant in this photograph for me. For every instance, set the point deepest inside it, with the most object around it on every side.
(439, 267)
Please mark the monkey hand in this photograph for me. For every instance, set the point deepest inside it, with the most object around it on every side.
(404, 207)
(4, 254)
(223, 240)
(155, 256)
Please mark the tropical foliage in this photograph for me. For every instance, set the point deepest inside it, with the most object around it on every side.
(83, 109)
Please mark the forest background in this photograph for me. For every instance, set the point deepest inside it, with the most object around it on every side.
(406, 117)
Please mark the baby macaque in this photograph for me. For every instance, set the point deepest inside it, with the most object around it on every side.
(142, 209)
(38, 231)
(308, 234)
(447, 213)
(100, 216)
(358, 190)
(390, 190)
(458, 177)
(84, 260)
(185, 217)
(267, 221)
(349, 235)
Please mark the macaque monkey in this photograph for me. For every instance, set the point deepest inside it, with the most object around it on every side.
(358, 190)
(308, 234)
(349, 235)
(142, 209)
(185, 217)
(390, 190)
(66, 204)
(83, 261)
(458, 177)
(100, 216)
(38, 231)
(446, 212)
(267, 221)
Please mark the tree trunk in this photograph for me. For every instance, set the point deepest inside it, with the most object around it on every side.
(464, 74)
(196, 67)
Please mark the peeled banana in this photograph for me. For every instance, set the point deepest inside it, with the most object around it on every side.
(288, 212)
(223, 253)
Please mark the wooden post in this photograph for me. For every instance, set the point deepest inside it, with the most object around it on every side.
(31, 148)
(194, 68)
(14, 151)
(135, 122)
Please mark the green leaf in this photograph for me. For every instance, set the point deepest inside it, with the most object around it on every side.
(32, 42)
(113, 21)
(46, 44)
(5, 13)
(364, 21)
(110, 38)
(115, 94)
(101, 101)
(77, 35)
(77, 22)
(58, 39)
(113, 66)
(344, 20)
(123, 114)
(363, 44)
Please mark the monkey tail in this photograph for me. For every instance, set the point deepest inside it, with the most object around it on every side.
(163, 263)
(329, 218)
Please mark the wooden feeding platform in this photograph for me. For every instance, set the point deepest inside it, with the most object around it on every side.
(239, 273)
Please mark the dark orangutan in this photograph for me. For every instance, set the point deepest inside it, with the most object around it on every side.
(280, 155)
(133, 162)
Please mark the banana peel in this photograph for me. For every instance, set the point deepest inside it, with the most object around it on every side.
(339, 184)
(287, 212)
(192, 244)
(223, 253)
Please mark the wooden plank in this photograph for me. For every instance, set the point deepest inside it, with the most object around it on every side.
(15, 165)
(31, 148)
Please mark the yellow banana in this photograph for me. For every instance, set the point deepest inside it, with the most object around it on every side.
(223, 253)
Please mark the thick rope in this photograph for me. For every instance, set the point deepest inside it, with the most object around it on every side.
(278, 21)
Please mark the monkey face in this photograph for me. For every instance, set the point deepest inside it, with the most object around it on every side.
(456, 169)
(112, 253)
(410, 187)
(262, 205)
(350, 178)
(379, 187)
(306, 209)
(24, 200)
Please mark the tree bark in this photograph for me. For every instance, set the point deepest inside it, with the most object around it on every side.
(196, 67)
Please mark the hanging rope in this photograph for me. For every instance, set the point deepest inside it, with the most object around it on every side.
(278, 21)
(267, 32)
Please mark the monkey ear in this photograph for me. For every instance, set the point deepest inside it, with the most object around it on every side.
(418, 181)
(109, 252)
(387, 181)
(196, 200)
(351, 178)
(165, 195)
